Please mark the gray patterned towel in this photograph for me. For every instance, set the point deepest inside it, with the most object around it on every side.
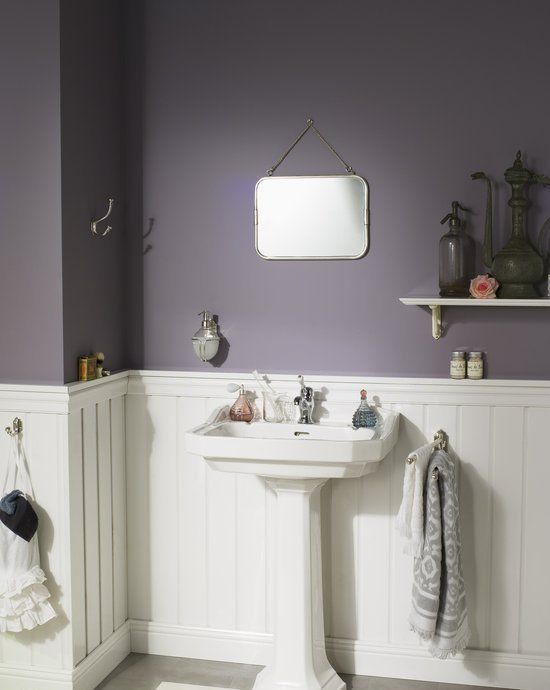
(438, 611)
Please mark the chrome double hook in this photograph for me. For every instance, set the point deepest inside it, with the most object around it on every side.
(16, 427)
(93, 224)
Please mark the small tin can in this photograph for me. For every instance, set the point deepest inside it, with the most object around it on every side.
(83, 368)
(87, 367)
(475, 365)
(458, 365)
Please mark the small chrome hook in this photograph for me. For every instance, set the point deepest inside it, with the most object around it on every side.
(440, 440)
(16, 427)
(93, 224)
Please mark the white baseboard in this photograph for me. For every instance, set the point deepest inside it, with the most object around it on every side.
(86, 676)
(15, 678)
(491, 669)
(201, 643)
(97, 665)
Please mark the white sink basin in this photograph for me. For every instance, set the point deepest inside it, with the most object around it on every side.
(293, 450)
(295, 460)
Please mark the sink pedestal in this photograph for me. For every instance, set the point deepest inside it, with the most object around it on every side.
(299, 661)
(295, 460)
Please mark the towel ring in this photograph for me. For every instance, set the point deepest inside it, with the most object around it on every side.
(440, 442)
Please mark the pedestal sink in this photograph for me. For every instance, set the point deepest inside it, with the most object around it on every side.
(295, 460)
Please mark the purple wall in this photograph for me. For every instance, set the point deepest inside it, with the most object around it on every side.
(416, 95)
(31, 334)
(94, 312)
(61, 158)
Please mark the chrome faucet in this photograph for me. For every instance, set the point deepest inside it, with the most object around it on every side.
(305, 402)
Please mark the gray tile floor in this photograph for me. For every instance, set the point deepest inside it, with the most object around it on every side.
(147, 671)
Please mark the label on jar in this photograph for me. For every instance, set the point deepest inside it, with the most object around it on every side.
(475, 369)
(458, 368)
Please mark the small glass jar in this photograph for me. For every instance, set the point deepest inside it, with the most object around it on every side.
(475, 365)
(458, 365)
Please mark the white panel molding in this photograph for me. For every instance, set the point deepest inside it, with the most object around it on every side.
(61, 399)
(343, 389)
(224, 528)
(201, 643)
(202, 561)
(348, 656)
(98, 665)
(86, 676)
(96, 392)
(73, 435)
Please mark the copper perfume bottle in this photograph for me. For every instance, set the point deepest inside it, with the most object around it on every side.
(241, 410)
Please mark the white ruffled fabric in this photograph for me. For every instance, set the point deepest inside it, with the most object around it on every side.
(24, 598)
(24, 602)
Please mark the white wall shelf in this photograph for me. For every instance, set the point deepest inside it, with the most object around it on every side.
(435, 303)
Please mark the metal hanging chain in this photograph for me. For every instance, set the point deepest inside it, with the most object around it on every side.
(310, 125)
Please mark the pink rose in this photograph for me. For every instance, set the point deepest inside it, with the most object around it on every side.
(483, 287)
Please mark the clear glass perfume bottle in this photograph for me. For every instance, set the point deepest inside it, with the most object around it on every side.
(456, 257)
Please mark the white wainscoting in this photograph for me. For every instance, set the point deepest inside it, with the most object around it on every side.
(74, 440)
(200, 542)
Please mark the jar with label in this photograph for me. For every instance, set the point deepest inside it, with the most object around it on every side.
(458, 365)
(475, 365)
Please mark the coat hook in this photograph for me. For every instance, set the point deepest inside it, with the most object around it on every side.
(93, 224)
(16, 427)
(440, 440)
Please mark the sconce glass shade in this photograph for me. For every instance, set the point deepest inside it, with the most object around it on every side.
(206, 340)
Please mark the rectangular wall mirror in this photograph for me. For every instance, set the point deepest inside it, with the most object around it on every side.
(318, 217)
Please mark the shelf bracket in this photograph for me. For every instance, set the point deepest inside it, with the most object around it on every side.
(437, 325)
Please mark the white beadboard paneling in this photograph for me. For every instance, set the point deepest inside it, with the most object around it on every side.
(475, 431)
(224, 591)
(535, 599)
(374, 530)
(118, 479)
(105, 509)
(162, 509)
(221, 543)
(192, 565)
(63, 443)
(42, 448)
(76, 512)
(91, 527)
(506, 482)
(138, 505)
(250, 553)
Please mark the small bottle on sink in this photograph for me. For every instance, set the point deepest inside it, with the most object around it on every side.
(241, 410)
(364, 417)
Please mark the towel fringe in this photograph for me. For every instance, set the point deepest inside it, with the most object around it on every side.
(459, 646)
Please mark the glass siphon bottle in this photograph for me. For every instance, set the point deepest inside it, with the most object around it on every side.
(456, 257)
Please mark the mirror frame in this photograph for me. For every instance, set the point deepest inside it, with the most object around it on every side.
(312, 257)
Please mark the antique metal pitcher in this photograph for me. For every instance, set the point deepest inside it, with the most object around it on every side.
(517, 266)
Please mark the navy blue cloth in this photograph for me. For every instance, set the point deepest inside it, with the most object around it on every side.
(9, 502)
(24, 521)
